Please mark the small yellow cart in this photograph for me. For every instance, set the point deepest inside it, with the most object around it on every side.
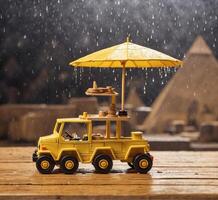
(68, 147)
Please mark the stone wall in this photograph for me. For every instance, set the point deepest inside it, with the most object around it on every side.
(27, 122)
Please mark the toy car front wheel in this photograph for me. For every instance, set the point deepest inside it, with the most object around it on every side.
(103, 163)
(45, 164)
(69, 164)
(142, 163)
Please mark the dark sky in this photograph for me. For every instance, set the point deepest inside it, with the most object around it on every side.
(45, 35)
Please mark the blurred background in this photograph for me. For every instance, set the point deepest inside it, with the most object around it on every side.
(39, 38)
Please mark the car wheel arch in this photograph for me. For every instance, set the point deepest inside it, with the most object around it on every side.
(104, 151)
(72, 152)
(134, 150)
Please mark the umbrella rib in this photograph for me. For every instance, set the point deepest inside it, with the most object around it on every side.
(149, 63)
(162, 63)
(135, 63)
(170, 62)
(101, 62)
(173, 63)
(111, 64)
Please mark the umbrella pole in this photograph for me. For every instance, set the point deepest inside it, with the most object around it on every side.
(123, 112)
(123, 87)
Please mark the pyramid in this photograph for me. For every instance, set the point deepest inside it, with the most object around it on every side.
(200, 47)
(133, 98)
(191, 91)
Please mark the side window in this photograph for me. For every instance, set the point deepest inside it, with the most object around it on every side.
(99, 129)
(74, 131)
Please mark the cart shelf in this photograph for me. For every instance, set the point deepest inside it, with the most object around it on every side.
(96, 117)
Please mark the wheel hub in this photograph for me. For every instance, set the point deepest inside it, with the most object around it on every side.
(143, 163)
(69, 164)
(103, 163)
(45, 164)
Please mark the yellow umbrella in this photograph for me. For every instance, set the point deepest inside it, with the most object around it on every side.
(126, 55)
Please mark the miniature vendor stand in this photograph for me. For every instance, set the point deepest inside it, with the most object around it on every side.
(99, 149)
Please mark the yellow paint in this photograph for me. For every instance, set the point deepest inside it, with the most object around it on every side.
(123, 85)
(135, 149)
(103, 150)
(118, 148)
(108, 129)
(68, 151)
(136, 135)
(113, 99)
(85, 115)
(118, 129)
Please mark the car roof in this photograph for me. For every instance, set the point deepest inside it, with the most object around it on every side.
(77, 120)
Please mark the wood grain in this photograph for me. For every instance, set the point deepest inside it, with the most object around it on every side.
(175, 175)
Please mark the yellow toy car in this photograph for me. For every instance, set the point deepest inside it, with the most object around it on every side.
(73, 141)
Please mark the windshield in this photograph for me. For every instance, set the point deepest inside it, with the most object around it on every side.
(58, 126)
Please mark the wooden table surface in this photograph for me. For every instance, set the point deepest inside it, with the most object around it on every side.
(175, 175)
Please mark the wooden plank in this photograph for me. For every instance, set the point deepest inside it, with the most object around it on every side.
(175, 175)
(109, 192)
(104, 180)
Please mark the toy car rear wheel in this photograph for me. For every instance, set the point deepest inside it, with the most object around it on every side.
(103, 163)
(142, 163)
(69, 164)
(45, 164)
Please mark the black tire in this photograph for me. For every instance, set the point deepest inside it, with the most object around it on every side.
(131, 165)
(69, 164)
(101, 160)
(45, 164)
(142, 163)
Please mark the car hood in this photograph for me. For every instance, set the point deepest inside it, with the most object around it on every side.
(48, 139)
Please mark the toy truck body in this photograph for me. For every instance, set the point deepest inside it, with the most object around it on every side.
(66, 149)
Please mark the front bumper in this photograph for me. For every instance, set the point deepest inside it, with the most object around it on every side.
(35, 156)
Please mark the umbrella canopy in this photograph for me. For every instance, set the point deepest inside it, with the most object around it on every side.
(126, 55)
